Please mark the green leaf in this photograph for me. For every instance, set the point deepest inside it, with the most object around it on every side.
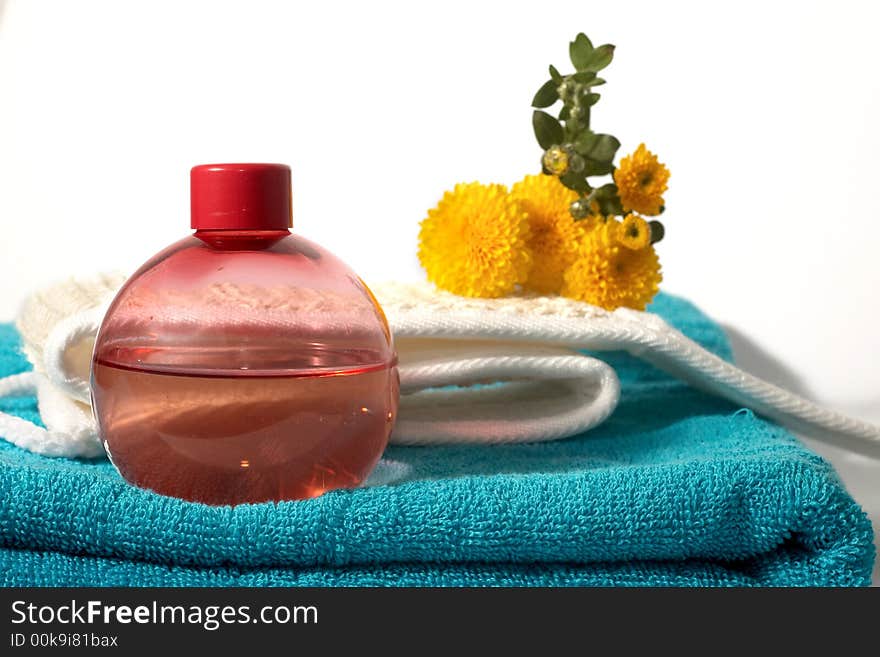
(555, 75)
(584, 77)
(548, 131)
(547, 95)
(598, 58)
(565, 113)
(591, 99)
(594, 168)
(576, 181)
(608, 200)
(605, 148)
(601, 148)
(585, 142)
(581, 52)
(657, 231)
(587, 79)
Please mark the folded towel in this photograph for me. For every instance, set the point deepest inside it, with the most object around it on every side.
(676, 488)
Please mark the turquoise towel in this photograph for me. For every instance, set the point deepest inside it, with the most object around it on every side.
(677, 488)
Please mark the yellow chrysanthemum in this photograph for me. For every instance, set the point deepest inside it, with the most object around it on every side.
(610, 275)
(641, 180)
(553, 232)
(474, 242)
(634, 233)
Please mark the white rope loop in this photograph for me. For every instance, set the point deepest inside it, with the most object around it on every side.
(29, 436)
(543, 397)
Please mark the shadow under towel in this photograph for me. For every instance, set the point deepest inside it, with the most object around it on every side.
(676, 488)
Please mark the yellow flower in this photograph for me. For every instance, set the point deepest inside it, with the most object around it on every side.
(641, 180)
(635, 233)
(553, 232)
(609, 275)
(474, 242)
(555, 160)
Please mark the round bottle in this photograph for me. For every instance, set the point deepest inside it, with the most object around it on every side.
(244, 363)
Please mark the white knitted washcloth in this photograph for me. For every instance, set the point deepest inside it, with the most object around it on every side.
(445, 344)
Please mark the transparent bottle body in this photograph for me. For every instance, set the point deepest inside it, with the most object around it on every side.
(244, 366)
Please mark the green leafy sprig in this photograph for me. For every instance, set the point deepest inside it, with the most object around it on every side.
(572, 150)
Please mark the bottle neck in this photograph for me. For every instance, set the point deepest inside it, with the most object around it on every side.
(240, 240)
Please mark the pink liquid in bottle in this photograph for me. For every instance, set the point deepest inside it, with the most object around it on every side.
(244, 363)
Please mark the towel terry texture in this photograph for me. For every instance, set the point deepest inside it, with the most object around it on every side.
(676, 488)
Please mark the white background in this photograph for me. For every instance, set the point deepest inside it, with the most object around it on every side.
(767, 114)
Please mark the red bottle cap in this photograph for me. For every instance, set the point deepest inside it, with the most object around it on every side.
(240, 197)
